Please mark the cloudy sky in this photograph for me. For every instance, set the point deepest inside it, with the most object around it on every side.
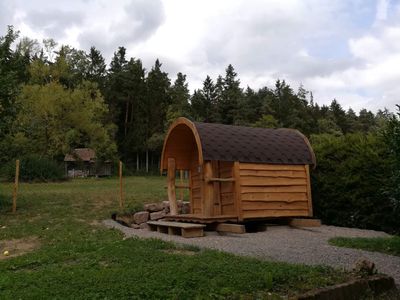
(348, 50)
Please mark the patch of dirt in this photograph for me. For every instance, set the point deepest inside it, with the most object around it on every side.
(95, 223)
(179, 251)
(18, 247)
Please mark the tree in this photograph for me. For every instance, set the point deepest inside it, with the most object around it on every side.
(339, 116)
(59, 120)
(198, 106)
(391, 135)
(132, 119)
(366, 120)
(96, 69)
(251, 106)
(180, 96)
(230, 97)
(10, 79)
(115, 92)
(158, 99)
(266, 121)
(204, 102)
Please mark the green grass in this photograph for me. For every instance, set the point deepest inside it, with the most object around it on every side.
(388, 245)
(80, 259)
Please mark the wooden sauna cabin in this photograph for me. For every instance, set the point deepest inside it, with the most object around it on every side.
(238, 173)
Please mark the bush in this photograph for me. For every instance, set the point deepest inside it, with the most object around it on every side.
(350, 181)
(34, 169)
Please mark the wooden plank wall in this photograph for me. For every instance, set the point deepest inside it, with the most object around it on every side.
(274, 190)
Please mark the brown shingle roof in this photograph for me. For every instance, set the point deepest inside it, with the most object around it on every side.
(255, 145)
(83, 154)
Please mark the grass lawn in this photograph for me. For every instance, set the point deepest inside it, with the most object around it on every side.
(388, 245)
(78, 258)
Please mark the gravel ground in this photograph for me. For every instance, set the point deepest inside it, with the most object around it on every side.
(282, 243)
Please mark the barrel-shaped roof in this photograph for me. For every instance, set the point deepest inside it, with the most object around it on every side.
(249, 144)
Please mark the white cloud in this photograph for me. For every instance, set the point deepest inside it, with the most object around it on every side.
(381, 10)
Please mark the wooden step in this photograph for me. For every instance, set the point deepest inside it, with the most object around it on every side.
(186, 230)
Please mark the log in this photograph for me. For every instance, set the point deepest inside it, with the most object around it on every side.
(212, 179)
(232, 228)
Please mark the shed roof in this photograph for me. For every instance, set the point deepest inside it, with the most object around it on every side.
(248, 144)
(83, 154)
(254, 145)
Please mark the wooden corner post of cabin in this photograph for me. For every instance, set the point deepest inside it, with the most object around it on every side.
(309, 198)
(171, 186)
(208, 192)
(238, 195)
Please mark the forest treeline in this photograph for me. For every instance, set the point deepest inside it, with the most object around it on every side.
(57, 98)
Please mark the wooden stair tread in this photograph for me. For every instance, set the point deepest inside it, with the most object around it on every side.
(197, 218)
(175, 224)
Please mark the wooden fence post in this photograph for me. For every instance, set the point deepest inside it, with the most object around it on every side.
(15, 192)
(121, 196)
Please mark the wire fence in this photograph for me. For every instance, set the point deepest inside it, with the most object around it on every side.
(121, 189)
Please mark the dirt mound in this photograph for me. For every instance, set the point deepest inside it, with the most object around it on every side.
(18, 247)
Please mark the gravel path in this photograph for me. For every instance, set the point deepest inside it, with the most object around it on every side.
(282, 243)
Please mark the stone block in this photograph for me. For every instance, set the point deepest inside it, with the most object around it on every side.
(141, 217)
(157, 215)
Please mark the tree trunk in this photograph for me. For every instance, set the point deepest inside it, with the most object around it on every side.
(126, 117)
(137, 161)
(147, 160)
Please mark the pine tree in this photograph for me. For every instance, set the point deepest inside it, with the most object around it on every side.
(96, 71)
(211, 101)
(157, 101)
(339, 116)
(198, 106)
(116, 84)
(231, 95)
(180, 96)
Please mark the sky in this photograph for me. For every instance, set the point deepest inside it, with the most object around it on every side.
(338, 49)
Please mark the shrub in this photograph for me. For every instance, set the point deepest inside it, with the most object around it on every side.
(34, 169)
(350, 181)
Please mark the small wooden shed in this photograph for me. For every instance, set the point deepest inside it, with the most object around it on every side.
(81, 162)
(239, 173)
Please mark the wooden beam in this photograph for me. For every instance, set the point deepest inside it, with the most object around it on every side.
(254, 166)
(192, 232)
(217, 189)
(267, 213)
(310, 208)
(212, 179)
(208, 192)
(182, 186)
(238, 196)
(271, 181)
(232, 228)
(191, 192)
(173, 206)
